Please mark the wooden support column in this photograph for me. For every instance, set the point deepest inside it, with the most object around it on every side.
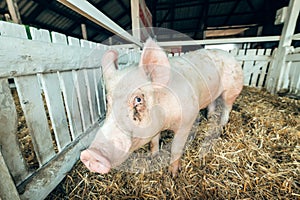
(14, 11)
(135, 17)
(278, 68)
(83, 31)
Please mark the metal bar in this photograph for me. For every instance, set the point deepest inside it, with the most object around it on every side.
(89, 11)
(220, 41)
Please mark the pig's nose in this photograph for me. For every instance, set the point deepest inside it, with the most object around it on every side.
(95, 161)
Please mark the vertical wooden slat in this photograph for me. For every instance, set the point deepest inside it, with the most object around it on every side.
(100, 92)
(73, 41)
(53, 95)
(294, 74)
(256, 68)
(248, 67)
(59, 38)
(12, 30)
(9, 145)
(8, 189)
(263, 72)
(82, 95)
(40, 34)
(32, 104)
(92, 95)
(71, 103)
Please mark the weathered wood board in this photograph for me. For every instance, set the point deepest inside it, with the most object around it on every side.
(9, 145)
(32, 104)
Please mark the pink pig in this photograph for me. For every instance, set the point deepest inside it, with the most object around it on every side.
(160, 94)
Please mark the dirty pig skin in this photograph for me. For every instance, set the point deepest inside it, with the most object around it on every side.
(159, 94)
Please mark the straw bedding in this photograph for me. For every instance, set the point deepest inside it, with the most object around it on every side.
(257, 156)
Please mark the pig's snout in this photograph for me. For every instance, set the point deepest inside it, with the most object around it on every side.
(95, 161)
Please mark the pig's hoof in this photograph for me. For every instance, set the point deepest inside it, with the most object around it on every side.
(174, 168)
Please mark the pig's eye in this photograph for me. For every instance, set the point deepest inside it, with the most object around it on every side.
(137, 100)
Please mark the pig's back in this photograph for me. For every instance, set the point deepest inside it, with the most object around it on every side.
(203, 70)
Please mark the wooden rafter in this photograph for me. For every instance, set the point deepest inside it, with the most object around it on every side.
(87, 10)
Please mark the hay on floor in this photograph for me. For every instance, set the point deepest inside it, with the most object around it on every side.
(256, 157)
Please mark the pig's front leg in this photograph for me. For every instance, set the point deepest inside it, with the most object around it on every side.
(178, 144)
(155, 145)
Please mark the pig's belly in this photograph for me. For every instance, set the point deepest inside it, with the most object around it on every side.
(198, 77)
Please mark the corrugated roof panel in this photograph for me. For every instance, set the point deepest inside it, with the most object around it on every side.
(27, 9)
(220, 8)
(113, 9)
(243, 7)
(187, 12)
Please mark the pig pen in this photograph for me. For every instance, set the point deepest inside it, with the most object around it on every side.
(256, 157)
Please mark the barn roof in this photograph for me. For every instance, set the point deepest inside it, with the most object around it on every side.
(226, 18)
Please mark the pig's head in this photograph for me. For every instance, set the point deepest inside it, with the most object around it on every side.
(133, 112)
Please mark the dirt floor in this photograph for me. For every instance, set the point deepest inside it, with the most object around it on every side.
(256, 157)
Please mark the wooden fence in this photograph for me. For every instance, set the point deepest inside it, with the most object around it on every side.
(57, 81)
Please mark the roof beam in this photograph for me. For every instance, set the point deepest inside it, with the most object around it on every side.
(87, 10)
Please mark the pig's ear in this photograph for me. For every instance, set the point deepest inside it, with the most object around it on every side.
(155, 63)
(109, 64)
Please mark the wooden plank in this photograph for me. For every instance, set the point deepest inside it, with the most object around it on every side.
(293, 57)
(71, 103)
(87, 10)
(220, 41)
(53, 95)
(31, 57)
(259, 57)
(258, 65)
(8, 141)
(263, 73)
(12, 30)
(100, 92)
(32, 104)
(88, 44)
(50, 175)
(8, 189)
(294, 75)
(82, 96)
(42, 35)
(73, 41)
(92, 87)
(248, 67)
(59, 38)
(26, 61)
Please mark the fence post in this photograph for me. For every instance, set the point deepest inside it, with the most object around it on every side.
(278, 65)
(7, 187)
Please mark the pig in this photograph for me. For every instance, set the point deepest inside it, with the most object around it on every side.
(160, 94)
